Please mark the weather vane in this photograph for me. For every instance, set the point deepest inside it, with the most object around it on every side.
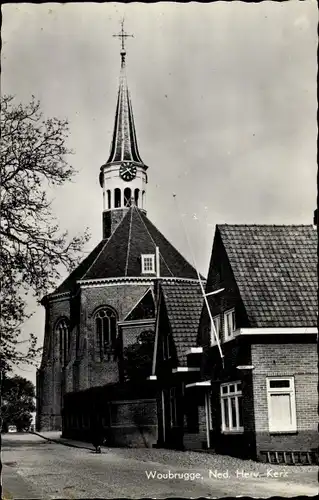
(123, 35)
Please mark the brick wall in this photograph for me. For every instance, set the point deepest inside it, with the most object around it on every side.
(197, 440)
(88, 371)
(298, 360)
(122, 298)
(131, 332)
(111, 219)
(134, 423)
(49, 406)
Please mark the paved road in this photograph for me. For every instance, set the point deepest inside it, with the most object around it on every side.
(38, 469)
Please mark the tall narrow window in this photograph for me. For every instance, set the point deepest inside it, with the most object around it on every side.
(143, 199)
(105, 330)
(281, 404)
(231, 407)
(62, 329)
(136, 196)
(117, 198)
(109, 198)
(127, 197)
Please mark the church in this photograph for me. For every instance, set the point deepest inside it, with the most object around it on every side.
(109, 300)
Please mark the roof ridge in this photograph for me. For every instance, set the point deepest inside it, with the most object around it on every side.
(106, 243)
(152, 239)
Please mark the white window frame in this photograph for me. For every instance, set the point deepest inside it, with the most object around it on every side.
(229, 335)
(166, 346)
(287, 427)
(218, 331)
(146, 257)
(228, 395)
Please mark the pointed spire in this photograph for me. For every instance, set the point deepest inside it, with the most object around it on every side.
(124, 143)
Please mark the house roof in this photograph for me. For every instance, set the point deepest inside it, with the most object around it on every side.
(120, 255)
(184, 302)
(275, 268)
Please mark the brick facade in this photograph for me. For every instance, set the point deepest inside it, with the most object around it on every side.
(291, 359)
(83, 369)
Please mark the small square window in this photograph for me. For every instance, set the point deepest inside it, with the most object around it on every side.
(148, 263)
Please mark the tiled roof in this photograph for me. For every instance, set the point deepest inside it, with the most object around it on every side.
(120, 255)
(184, 302)
(134, 236)
(275, 268)
(79, 271)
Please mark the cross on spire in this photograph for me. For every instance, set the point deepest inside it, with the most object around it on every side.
(123, 35)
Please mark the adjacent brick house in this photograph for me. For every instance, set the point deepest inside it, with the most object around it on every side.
(264, 388)
(178, 314)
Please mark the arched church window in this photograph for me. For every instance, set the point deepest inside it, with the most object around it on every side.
(109, 198)
(117, 198)
(105, 330)
(143, 199)
(127, 197)
(62, 329)
(136, 195)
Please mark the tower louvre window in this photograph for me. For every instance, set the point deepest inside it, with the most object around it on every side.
(127, 196)
(136, 196)
(105, 330)
(148, 263)
(117, 198)
(109, 198)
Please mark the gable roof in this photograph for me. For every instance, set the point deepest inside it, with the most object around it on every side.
(275, 268)
(184, 302)
(120, 255)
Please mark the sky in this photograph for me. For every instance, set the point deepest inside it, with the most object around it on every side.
(224, 101)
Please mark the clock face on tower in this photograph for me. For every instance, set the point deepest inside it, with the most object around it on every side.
(127, 171)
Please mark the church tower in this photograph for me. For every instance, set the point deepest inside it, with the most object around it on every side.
(123, 177)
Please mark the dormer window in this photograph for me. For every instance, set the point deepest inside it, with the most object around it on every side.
(229, 324)
(217, 325)
(148, 264)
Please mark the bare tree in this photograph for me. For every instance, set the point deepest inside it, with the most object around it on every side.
(32, 247)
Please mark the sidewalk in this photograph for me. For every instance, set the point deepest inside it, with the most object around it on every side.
(16, 487)
(55, 437)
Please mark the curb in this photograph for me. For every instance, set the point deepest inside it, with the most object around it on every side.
(60, 441)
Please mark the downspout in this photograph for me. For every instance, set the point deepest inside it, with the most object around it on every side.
(207, 413)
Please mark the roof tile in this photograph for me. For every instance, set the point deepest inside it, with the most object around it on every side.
(275, 268)
(184, 302)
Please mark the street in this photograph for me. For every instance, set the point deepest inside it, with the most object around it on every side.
(37, 468)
